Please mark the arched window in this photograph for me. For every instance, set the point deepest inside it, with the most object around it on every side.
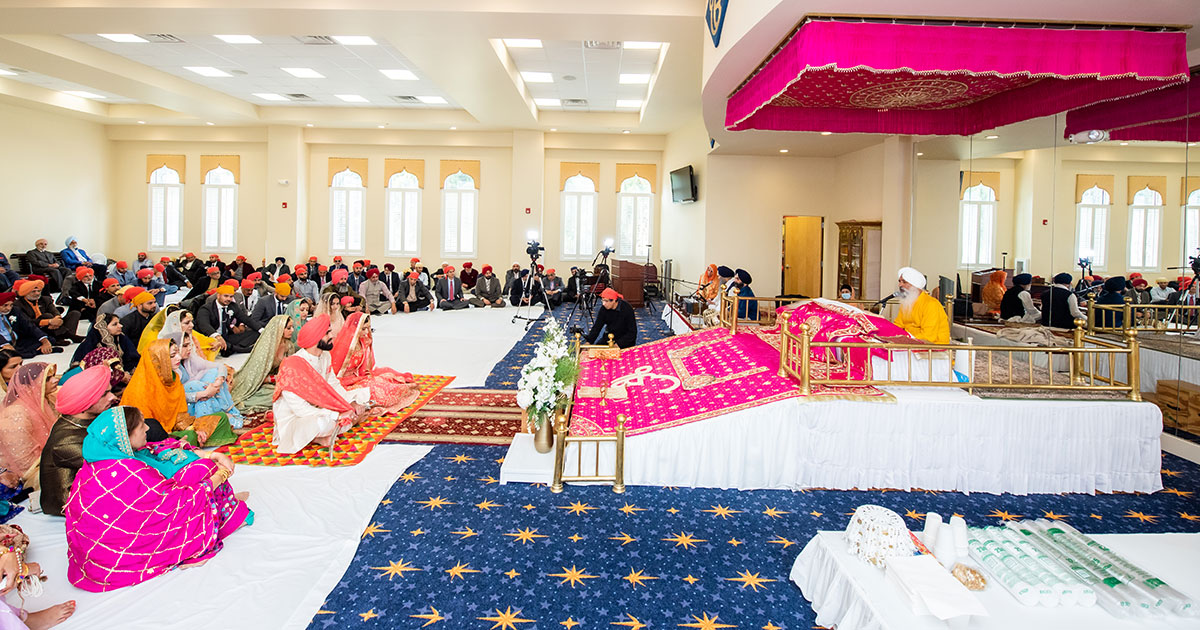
(219, 195)
(459, 206)
(166, 210)
(1191, 227)
(1145, 229)
(977, 227)
(635, 217)
(347, 207)
(1091, 226)
(578, 218)
(403, 214)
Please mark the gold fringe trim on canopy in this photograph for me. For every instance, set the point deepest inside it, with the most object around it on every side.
(974, 178)
(648, 172)
(232, 163)
(173, 162)
(1085, 182)
(468, 167)
(357, 165)
(567, 170)
(391, 166)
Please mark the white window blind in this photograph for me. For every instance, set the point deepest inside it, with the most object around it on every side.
(1145, 229)
(1091, 226)
(166, 210)
(346, 213)
(459, 199)
(578, 218)
(635, 217)
(977, 227)
(403, 215)
(220, 195)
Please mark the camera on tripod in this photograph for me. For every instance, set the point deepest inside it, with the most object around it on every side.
(534, 249)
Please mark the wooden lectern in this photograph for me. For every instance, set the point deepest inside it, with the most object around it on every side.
(627, 279)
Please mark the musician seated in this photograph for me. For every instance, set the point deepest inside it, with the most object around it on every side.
(616, 318)
(920, 314)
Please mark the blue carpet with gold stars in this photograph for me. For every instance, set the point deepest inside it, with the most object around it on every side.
(504, 375)
(451, 548)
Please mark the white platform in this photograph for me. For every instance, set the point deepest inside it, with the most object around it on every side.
(523, 464)
(849, 593)
(933, 439)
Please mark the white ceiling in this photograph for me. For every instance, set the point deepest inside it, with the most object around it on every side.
(582, 72)
(58, 85)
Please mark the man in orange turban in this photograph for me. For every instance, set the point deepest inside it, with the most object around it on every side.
(39, 309)
(272, 305)
(135, 323)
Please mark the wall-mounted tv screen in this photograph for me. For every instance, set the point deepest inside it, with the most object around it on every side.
(683, 185)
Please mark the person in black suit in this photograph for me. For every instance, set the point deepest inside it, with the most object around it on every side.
(450, 291)
(525, 290)
(225, 319)
(171, 274)
(614, 317)
(18, 334)
(40, 310)
(270, 306)
(133, 324)
(212, 279)
(414, 295)
(85, 295)
(391, 279)
(191, 267)
(42, 262)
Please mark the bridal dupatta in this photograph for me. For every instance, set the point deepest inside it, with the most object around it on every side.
(249, 381)
(26, 418)
(353, 361)
(155, 388)
(134, 515)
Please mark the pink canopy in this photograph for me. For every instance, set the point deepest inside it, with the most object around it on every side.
(865, 77)
(1170, 114)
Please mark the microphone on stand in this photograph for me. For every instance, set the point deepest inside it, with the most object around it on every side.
(883, 301)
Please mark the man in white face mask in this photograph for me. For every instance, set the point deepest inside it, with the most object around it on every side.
(920, 314)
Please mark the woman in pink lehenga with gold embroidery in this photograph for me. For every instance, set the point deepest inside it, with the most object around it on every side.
(353, 361)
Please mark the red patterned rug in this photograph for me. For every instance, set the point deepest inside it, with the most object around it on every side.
(463, 416)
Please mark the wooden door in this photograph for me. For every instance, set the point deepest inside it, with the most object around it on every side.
(803, 239)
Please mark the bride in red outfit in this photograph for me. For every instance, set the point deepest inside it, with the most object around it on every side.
(353, 361)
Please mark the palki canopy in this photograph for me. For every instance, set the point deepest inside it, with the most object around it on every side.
(1171, 114)
(871, 77)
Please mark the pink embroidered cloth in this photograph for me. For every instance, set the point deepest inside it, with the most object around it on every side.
(832, 321)
(870, 77)
(683, 379)
(1170, 114)
(127, 524)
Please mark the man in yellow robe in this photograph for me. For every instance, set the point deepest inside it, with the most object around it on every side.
(921, 315)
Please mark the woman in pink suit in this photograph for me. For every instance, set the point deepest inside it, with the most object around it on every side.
(138, 510)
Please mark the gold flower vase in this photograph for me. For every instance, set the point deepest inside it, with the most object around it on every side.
(543, 436)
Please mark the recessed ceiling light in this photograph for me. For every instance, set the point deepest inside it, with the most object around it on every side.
(783, 150)
(141, 122)
(919, 154)
(1124, 144)
(432, 100)
(537, 77)
(547, 102)
(7, 73)
(124, 38)
(629, 102)
(238, 39)
(352, 98)
(399, 75)
(642, 45)
(207, 71)
(308, 124)
(553, 129)
(1191, 144)
(380, 126)
(83, 94)
(624, 131)
(269, 96)
(210, 123)
(454, 129)
(303, 73)
(523, 43)
(990, 137)
(826, 133)
(353, 40)
(635, 79)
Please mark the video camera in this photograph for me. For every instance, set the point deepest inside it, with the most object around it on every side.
(534, 249)
(1194, 262)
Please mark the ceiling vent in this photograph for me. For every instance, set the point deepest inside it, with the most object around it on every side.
(574, 102)
(407, 100)
(315, 40)
(300, 97)
(597, 45)
(162, 38)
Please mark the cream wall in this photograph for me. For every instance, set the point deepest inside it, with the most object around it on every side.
(935, 216)
(682, 227)
(55, 172)
(859, 188)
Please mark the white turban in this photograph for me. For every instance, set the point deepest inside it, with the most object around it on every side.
(913, 277)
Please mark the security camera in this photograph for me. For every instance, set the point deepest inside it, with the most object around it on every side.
(1091, 136)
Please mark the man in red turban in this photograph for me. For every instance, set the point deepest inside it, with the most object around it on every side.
(615, 319)
(414, 295)
(468, 276)
(488, 290)
(339, 285)
(85, 293)
(82, 398)
(378, 297)
(310, 405)
(450, 291)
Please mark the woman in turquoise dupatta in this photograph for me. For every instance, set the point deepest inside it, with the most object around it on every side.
(254, 384)
(299, 311)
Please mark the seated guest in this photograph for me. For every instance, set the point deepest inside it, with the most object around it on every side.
(160, 281)
(85, 294)
(121, 271)
(127, 294)
(724, 278)
(846, 292)
(614, 318)
(214, 260)
(212, 279)
(313, 267)
(40, 310)
(993, 292)
(468, 276)
(156, 289)
(1112, 295)
(414, 296)
(18, 335)
(331, 307)
(376, 295)
(302, 286)
(222, 318)
(73, 256)
(7, 275)
(1139, 290)
(338, 264)
(414, 264)
(144, 308)
(511, 276)
(171, 275)
(9, 362)
(322, 276)
(339, 285)
(553, 287)
(357, 275)
(43, 263)
(310, 404)
(175, 321)
(353, 361)
(1161, 293)
(142, 262)
(920, 314)
(299, 311)
(350, 305)
(438, 274)
(191, 268)
(526, 290)
(269, 307)
(741, 281)
(82, 398)
(156, 389)
(110, 297)
(247, 294)
(108, 333)
(571, 290)
(254, 384)
(392, 280)
(1017, 304)
(487, 290)
(26, 418)
(1060, 306)
(239, 269)
(710, 285)
(450, 291)
(206, 387)
(276, 269)
(160, 500)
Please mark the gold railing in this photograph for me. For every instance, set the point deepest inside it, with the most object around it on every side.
(1092, 364)
(731, 303)
(562, 426)
(1169, 318)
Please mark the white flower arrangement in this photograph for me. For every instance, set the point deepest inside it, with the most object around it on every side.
(550, 375)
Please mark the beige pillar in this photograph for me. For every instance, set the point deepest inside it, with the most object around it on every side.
(896, 251)
(287, 181)
(528, 182)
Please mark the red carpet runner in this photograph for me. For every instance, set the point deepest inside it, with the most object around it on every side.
(463, 416)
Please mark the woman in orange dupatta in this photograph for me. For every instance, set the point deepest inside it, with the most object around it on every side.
(993, 291)
(157, 390)
(713, 282)
(353, 361)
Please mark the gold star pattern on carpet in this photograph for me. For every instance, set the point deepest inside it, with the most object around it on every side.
(450, 478)
(773, 513)
(417, 532)
(506, 620)
(624, 538)
(489, 480)
(629, 509)
(574, 538)
(685, 540)
(638, 578)
(576, 508)
(374, 528)
(632, 623)
(735, 542)
(771, 626)
(487, 504)
(466, 533)
(1145, 518)
(1189, 517)
(780, 540)
(396, 568)
(673, 511)
(434, 502)
(751, 580)
(528, 506)
(1171, 473)
(526, 535)
(409, 476)
(569, 623)
(706, 623)
(1177, 492)
(815, 514)
(1004, 516)
(511, 573)
(690, 580)
(722, 511)
(1096, 516)
(1054, 517)
(459, 569)
(430, 618)
(915, 515)
(385, 502)
(460, 459)
(369, 615)
(572, 576)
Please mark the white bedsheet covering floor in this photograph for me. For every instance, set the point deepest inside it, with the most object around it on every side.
(273, 574)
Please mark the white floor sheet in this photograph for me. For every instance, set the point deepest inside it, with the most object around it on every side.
(273, 574)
